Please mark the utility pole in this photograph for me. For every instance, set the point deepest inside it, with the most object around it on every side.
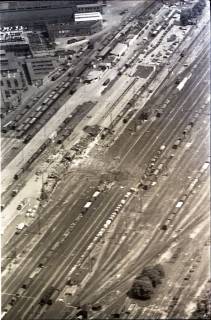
(39, 224)
(135, 126)
(140, 201)
(15, 249)
(42, 191)
(187, 136)
(111, 119)
(91, 261)
(165, 167)
(115, 238)
(126, 223)
(22, 153)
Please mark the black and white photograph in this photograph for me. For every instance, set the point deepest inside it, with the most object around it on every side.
(105, 159)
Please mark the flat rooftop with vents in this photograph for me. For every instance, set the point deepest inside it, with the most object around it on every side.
(89, 16)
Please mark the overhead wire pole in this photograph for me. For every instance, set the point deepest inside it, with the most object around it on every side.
(141, 200)
(39, 224)
(111, 119)
(165, 167)
(14, 251)
(43, 182)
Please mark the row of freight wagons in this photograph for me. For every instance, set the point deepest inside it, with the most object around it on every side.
(24, 127)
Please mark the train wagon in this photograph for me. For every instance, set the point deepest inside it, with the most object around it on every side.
(53, 297)
(55, 97)
(27, 283)
(177, 143)
(46, 296)
(35, 273)
(20, 128)
(6, 127)
(27, 120)
(26, 127)
(86, 207)
(20, 134)
(23, 111)
(13, 125)
(29, 105)
(44, 108)
(38, 108)
(96, 194)
(106, 82)
(60, 91)
(20, 227)
(45, 101)
(32, 120)
(66, 85)
(27, 139)
(56, 76)
(39, 114)
(72, 91)
(18, 117)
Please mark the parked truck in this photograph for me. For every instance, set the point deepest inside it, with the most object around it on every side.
(20, 227)
(50, 295)
(86, 207)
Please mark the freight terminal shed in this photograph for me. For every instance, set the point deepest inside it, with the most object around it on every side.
(131, 39)
(88, 16)
(90, 7)
(103, 53)
(119, 49)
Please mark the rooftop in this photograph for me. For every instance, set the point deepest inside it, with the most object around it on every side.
(40, 66)
(90, 5)
(119, 49)
(91, 16)
(8, 61)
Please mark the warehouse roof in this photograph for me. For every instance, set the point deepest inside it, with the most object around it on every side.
(38, 67)
(119, 49)
(8, 62)
(89, 5)
(90, 16)
(104, 51)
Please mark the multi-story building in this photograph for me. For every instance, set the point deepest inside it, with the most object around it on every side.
(39, 67)
(88, 23)
(15, 41)
(13, 80)
(88, 16)
(88, 27)
(85, 24)
(95, 7)
(70, 29)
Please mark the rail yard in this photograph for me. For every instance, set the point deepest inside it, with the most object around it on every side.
(107, 172)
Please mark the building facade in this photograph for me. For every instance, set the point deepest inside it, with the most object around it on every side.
(84, 8)
(39, 67)
(70, 29)
(17, 42)
(12, 79)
